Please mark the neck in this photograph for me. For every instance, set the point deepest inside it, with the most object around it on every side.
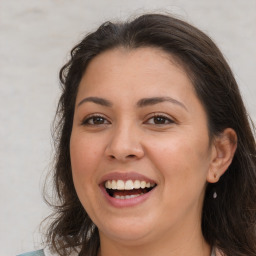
(188, 244)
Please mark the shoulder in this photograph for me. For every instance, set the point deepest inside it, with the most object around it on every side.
(34, 253)
(43, 252)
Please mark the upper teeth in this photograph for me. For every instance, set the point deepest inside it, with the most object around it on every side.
(127, 185)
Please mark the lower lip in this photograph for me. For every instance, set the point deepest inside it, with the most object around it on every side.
(121, 203)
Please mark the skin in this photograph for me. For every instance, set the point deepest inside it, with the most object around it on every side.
(176, 153)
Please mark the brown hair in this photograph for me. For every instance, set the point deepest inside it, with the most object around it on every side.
(228, 222)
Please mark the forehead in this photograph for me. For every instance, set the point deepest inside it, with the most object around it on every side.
(146, 68)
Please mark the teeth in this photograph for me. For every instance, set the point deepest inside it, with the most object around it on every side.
(127, 197)
(137, 184)
(143, 184)
(127, 185)
(113, 184)
(120, 185)
(108, 184)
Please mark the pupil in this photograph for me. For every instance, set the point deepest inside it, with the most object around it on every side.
(98, 120)
(159, 120)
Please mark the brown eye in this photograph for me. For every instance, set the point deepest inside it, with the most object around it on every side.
(159, 120)
(95, 120)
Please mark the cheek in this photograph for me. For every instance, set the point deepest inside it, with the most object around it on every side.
(85, 155)
(181, 160)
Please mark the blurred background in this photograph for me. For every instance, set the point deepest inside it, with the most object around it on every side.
(35, 40)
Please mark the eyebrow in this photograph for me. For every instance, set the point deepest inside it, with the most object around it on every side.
(141, 103)
(155, 100)
(96, 100)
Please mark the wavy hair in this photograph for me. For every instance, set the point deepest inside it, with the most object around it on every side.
(228, 222)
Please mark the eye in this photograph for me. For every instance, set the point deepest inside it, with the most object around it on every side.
(159, 120)
(95, 120)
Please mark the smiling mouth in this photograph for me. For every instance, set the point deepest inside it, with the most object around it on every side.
(121, 189)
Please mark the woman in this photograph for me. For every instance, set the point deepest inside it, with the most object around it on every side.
(155, 153)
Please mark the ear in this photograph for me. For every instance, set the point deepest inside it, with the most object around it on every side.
(224, 147)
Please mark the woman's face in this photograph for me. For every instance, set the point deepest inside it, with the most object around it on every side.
(139, 130)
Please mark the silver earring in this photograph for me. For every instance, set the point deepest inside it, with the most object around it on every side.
(214, 195)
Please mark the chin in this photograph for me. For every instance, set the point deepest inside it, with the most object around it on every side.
(125, 231)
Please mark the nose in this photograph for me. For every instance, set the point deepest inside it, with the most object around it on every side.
(125, 144)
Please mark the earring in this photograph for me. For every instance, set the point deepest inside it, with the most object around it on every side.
(214, 195)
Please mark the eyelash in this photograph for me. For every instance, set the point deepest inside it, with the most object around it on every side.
(105, 121)
(160, 116)
(94, 117)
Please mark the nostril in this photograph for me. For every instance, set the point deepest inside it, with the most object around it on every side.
(128, 156)
(131, 156)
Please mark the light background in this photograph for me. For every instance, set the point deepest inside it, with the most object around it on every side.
(35, 39)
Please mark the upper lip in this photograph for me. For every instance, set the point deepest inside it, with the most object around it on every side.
(125, 176)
